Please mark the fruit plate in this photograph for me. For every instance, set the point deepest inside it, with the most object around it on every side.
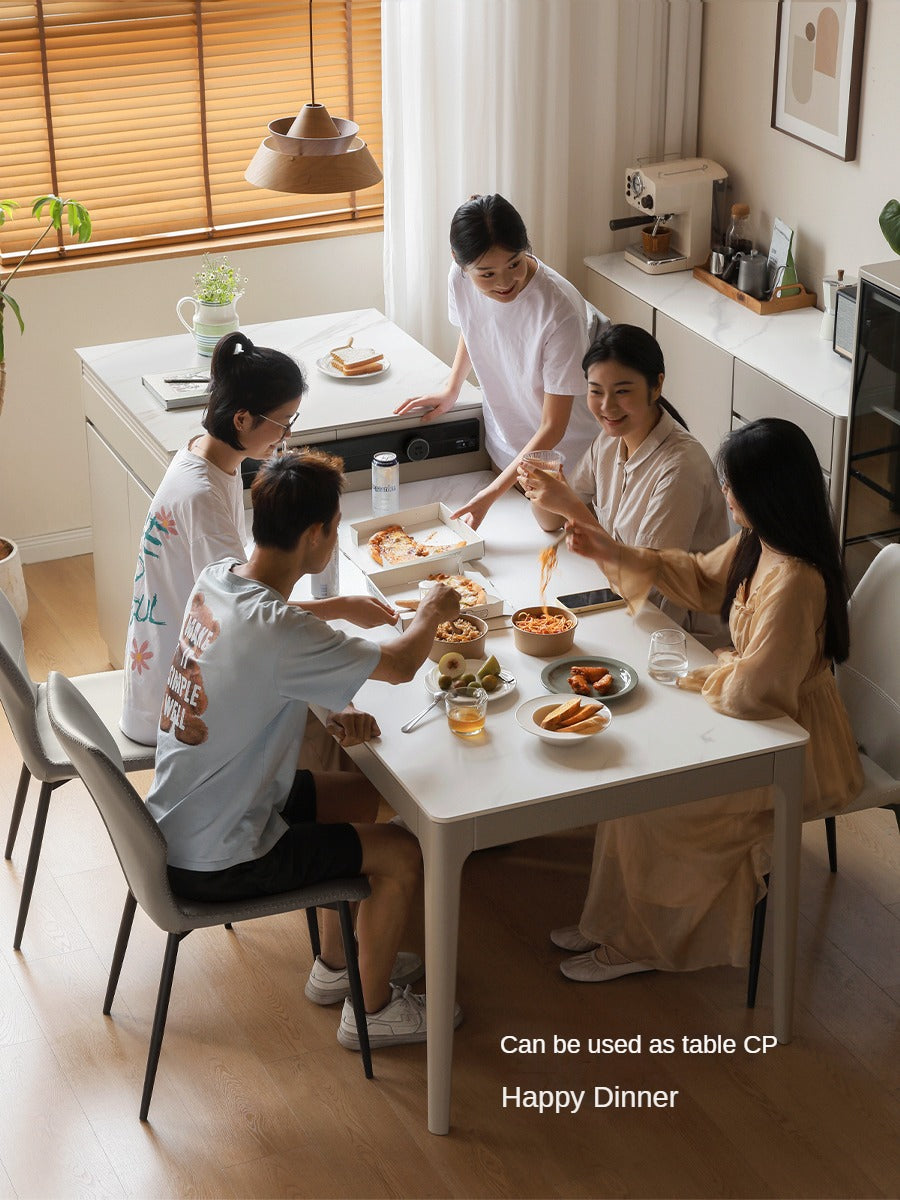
(324, 365)
(508, 681)
(555, 676)
(529, 714)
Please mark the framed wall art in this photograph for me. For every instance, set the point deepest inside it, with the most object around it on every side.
(818, 72)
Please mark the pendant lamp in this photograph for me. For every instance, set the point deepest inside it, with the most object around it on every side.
(313, 152)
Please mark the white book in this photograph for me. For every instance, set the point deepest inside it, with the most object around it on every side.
(179, 389)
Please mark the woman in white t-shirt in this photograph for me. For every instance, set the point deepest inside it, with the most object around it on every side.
(524, 330)
(651, 481)
(197, 517)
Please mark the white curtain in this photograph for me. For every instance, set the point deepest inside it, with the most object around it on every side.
(514, 96)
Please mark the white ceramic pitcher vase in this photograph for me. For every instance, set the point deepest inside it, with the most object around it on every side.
(210, 321)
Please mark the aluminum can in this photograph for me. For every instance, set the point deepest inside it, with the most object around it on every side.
(325, 584)
(385, 483)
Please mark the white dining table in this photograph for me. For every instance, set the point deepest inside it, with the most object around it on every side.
(663, 747)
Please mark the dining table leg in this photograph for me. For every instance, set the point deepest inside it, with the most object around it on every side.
(445, 847)
(788, 782)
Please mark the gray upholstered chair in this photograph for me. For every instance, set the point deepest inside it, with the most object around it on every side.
(25, 705)
(869, 684)
(141, 850)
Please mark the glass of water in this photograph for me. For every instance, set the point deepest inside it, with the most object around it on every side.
(667, 660)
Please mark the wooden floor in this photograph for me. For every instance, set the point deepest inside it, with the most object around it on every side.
(254, 1096)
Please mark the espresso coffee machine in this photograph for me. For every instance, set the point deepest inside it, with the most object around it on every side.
(679, 193)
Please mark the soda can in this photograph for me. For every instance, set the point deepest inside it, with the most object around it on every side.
(325, 584)
(385, 483)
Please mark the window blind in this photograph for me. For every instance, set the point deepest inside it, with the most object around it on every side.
(148, 113)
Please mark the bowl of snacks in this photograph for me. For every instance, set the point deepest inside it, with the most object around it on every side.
(544, 631)
(466, 634)
(574, 720)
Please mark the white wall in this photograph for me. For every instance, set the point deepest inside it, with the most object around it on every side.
(44, 495)
(832, 205)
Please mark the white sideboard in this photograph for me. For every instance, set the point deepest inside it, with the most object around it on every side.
(726, 365)
(131, 438)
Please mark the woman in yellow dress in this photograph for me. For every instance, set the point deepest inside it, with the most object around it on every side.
(674, 890)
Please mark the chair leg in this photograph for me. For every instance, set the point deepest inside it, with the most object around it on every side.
(356, 996)
(119, 952)
(18, 806)
(159, 1018)
(312, 920)
(895, 808)
(34, 853)
(831, 841)
(756, 945)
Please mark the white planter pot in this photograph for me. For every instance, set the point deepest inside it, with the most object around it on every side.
(12, 581)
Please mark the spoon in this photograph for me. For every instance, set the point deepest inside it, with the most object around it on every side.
(410, 725)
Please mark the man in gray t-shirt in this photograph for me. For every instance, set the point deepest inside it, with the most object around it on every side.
(239, 818)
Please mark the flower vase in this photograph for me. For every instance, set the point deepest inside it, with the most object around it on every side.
(210, 321)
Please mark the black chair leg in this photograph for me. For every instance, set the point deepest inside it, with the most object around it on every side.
(356, 994)
(119, 952)
(756, 945)
(18, 806)
(34, 854)
(312, 920)
(228, 925)
(159, 1018)
(831, 841)
(896, 811)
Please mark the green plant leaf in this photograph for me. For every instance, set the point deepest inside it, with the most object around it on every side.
(889, 220)
(8, 300)
(7, 208)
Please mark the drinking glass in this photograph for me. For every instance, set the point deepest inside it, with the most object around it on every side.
(545, 460)
(667, 660)
(466, 711)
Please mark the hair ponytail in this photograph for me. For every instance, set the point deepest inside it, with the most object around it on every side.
(246, 377)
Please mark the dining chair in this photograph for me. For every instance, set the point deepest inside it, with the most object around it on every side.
(141, 850)
(869, 685)
(25, 705)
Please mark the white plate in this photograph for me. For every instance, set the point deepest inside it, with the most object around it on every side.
(527, 712)
(324, 365)
(507, 685)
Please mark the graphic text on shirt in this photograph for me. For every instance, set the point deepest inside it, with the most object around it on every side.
(159, 528)
(185, 699)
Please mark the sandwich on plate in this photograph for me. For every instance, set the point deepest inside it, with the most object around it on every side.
(356, 360)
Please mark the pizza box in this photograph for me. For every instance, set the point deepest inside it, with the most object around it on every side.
(429, 523)
(397, 593)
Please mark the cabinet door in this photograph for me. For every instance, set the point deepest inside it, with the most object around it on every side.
(114, 546)
(620, 306)
(698, 381)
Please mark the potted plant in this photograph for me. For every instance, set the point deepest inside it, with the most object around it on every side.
(217, 288)
(889, 220)
(52, 209)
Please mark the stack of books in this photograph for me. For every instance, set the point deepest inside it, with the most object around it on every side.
(179, 389)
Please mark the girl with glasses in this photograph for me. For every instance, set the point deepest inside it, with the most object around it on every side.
(197, 517)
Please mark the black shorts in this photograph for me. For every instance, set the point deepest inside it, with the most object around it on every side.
(306, 853)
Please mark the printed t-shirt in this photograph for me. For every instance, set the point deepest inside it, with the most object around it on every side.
(520, 350)
(195, 518)
(246, 667)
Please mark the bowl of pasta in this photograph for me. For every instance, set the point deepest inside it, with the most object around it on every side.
(544, 630)
(465, 633)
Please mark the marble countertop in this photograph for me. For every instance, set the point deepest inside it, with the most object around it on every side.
(786, 347)
(331, 405)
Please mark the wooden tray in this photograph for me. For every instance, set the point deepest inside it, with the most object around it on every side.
(764, 308)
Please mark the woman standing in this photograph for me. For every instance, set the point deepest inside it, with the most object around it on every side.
(674, 890)
(197, 517)
(524, 329)
(652, 482)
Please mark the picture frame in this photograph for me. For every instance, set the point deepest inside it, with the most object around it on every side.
(817, 83)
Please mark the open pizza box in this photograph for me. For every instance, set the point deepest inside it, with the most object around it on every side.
(406, 596)
(429, 524)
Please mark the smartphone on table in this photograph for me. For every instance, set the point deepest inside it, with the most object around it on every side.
(592, 600)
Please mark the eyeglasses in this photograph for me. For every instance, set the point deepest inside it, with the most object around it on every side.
(284, 426)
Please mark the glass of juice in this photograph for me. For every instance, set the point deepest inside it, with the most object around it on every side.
(466, 711)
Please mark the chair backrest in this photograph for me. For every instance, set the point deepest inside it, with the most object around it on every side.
(136, 837)
(18, 691)
(869, 681)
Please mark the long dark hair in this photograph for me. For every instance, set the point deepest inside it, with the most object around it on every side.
(636, 349)
(483, 222)
(248, 377)
(774, 475)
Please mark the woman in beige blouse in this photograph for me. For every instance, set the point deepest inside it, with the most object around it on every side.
(674, 890)
(652, 482)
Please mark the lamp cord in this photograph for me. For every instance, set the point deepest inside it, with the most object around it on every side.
(312, 72)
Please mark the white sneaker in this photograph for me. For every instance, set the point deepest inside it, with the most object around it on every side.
(326, 986)
(401, 1021)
